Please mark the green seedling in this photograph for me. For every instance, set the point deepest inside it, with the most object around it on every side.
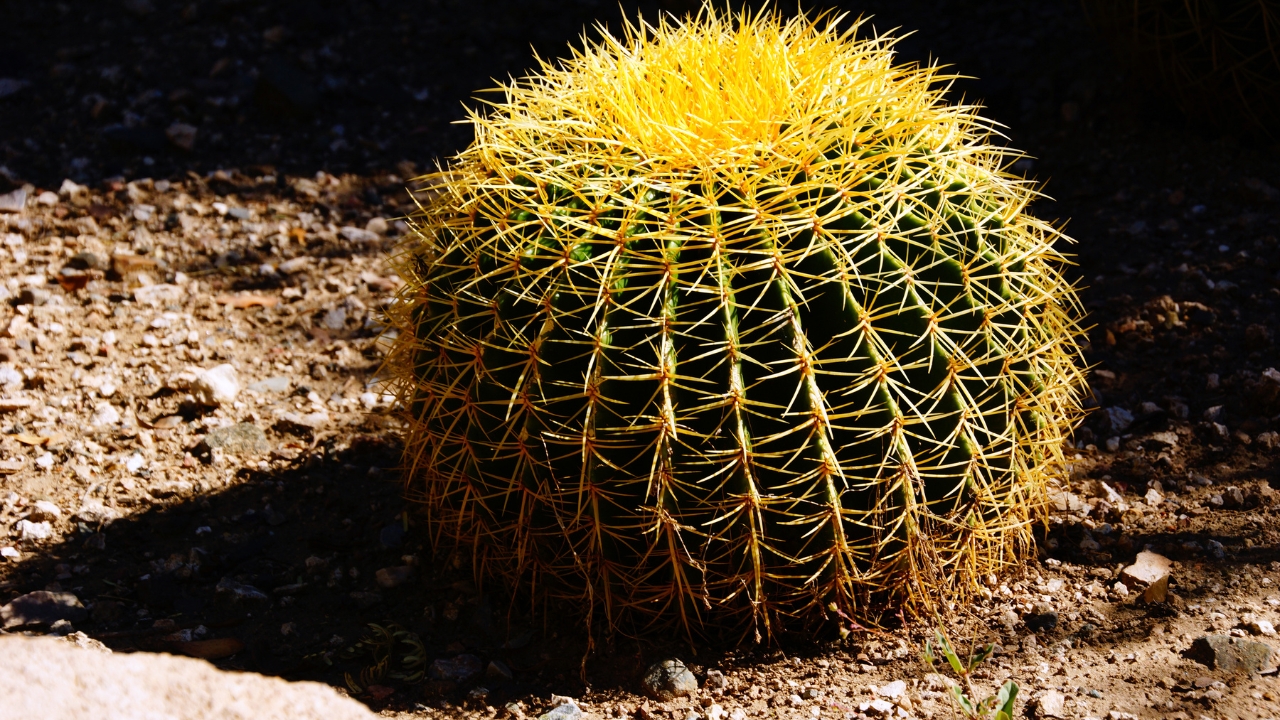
(994, 707)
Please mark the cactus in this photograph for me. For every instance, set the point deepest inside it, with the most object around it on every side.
(733, 322)
(1219, 59)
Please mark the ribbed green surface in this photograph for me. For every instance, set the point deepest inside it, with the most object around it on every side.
(674, 401)
(729, 322)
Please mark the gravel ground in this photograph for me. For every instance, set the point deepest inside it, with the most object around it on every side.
(193, 441)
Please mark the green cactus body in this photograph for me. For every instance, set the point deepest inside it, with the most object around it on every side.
(743, 385)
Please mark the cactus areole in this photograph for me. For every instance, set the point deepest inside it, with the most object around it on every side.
(733, 322)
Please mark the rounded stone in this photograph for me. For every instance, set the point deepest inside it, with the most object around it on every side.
(669, 679)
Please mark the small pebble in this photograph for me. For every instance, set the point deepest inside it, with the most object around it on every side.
(391, 577)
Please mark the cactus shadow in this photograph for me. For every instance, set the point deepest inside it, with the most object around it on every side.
(281, 566)
(276, 572)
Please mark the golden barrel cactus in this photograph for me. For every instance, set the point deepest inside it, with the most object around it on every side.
(730, 322)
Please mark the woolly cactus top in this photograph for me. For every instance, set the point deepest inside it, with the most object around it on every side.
(718, 89)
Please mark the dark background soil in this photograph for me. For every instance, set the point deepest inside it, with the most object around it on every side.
(272, 82)
(1159, 206)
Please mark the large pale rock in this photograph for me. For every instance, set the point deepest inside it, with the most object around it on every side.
(54, 680)
(1146, 570)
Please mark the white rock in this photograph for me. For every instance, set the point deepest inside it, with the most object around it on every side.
(45, 461)
(10, 553)
(355, 234)
(1261, 627)
(1109, 493)
(157, 295)
(135, 463)
(216, 385)
(10, 376)
(1051, 705)
(43, 510)
(877, 707)
(28, 530)
(104, 413)
(294, 265)
(17, 327)
(892, 690)
(13, 201)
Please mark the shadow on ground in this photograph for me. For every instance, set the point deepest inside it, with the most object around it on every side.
(277, 573)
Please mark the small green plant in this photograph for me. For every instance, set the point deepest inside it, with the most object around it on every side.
(994, 707)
